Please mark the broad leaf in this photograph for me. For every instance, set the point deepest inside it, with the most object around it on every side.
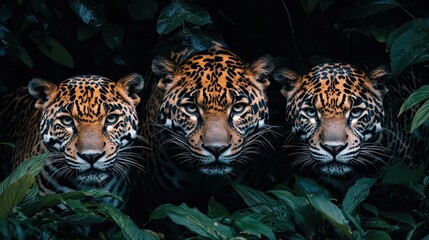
(32, 166)
(400, 173)
(421, 116)
(257, 200)
(53, 49)
(52, 200)
(302, 211)
(415, 98)
(330, 212)
(216, 210)
(113, 35)
(308, 186)
(408, 46)
(251, 226)
(413, 24)
(14, 194)
(194, 220)
(175, 15)
(126, 224)
(356, 194)
(80, 219)
(88, 11)
(24, 56)
(309, 5)
(403, 217)
(85, 31)
(363, 9)
(143, 9)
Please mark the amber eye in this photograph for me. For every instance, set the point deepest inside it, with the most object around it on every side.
(356, 112)
(239, 108)
(310, 112)
(66, 121)
(112, 119)
(190, 108)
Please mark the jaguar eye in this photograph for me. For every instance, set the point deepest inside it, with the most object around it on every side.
(190, 108)
(310, 112)
(239, 108)
(66, 121)
(356, 112)
(112, 119)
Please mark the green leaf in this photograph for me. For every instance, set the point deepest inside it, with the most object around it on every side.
(88, 11)
(143, 9)
(24, 56)
(377, 235)
(415, 98)
(370, 208)
(302, 212)
(8, 144)
(80, 219)
(400, 173)
(367, 8)
(257, 200)
(309, 5)
(308, 186)
(403, 217)
(330, 212)
(375, 222)
(356, 194)
(32, 166)
(14, 194)
(113, 35)
(415, 24)
(421, 116)
(408, 46)
(126, 224)
(85, 31)
(53, 49)
(249, 225)
(325, 4)
(176, 13)
(194, 220)
(52, 200)
(216, 210)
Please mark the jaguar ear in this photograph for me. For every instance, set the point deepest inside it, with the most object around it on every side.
(378, 77)
(130, 87)
(44, 91)
(165, 69)
(288, 79)
(260, 70)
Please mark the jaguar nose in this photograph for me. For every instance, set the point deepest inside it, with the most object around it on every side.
(216, 150)
(91, 158)
(333, 149)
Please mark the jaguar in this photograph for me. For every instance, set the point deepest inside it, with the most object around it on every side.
(206, 118)
(87, 124)
(343, 120)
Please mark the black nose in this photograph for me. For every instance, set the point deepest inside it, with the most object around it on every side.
(216, 150)
(91, 158)
(333, 149)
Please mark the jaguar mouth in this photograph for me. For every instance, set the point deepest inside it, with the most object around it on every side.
(335, 169)
(92, 177)
(216, 168)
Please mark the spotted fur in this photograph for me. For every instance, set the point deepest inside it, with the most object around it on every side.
(87, 123)
(337, 115)
(204, 118)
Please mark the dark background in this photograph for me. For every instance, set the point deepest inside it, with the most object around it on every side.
(250, 28)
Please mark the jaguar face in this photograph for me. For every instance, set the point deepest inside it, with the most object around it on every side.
(213, 104)
(336, 113)
(86, 123)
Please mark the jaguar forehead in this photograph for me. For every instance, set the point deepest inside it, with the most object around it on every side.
(77, 93)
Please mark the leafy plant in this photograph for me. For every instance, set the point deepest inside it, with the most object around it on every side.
(422, 114)
(24, 213)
